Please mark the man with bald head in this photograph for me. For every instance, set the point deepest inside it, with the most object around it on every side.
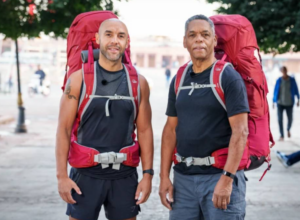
(118, 190)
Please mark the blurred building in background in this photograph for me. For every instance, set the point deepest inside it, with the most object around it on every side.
(158, 52)
(154, 52)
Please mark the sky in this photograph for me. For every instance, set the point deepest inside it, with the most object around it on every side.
(161, 17)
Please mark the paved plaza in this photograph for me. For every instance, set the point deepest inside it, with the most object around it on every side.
(28, 185)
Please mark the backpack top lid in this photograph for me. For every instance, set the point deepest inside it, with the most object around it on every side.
(82, 31)
(234, 32)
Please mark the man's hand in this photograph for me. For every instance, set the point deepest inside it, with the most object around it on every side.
(222, 192)
(298, 103)
(273, 105)
(144, 187)
(65, 185)
(166, 187)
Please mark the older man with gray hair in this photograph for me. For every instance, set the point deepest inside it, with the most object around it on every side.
(198, 125)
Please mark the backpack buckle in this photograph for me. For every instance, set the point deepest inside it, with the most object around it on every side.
(179, 158)
(189, 161)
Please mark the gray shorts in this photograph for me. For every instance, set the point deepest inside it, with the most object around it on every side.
(193, 198)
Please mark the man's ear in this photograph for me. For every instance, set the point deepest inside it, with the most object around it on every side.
(97, 38)
(215, 40)
(184, 42)
(127, 42)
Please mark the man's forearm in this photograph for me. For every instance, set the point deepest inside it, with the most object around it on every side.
(146, 145)
(61, 152)
(236, 149)
(167, 149)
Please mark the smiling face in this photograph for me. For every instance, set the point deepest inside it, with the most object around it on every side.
(113, 39)
(200, 40)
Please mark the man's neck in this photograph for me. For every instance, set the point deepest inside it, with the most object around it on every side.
(285, 77)
(108, 65)
(200, 65)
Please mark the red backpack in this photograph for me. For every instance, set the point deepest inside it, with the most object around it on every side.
(237, 46)
(82, 37)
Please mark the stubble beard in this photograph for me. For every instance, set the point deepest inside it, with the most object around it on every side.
(110, 58)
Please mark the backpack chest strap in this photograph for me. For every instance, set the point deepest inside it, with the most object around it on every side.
(115, 97)
(194, 86)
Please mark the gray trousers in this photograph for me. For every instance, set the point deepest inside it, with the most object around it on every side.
(193, 198)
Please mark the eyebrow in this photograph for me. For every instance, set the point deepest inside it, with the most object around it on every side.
(108, 31)
(192, 31)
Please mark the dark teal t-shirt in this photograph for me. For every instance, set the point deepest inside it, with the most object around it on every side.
(112, 133)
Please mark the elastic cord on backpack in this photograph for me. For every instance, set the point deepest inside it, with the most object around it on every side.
(90, 56)
(269, 168)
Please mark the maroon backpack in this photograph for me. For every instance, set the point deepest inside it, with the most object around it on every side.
(237, 46)
(81, 37)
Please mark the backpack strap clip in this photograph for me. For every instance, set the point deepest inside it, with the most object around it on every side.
(90, 58)
(197, 161)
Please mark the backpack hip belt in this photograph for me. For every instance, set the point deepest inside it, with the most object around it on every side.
(205, 161)
(217, 159)
(81, 156)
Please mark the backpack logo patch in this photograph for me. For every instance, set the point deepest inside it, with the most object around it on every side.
(218, 69)
(134, 81)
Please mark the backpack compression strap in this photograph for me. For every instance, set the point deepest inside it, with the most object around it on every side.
(133, 86)
(134, 91)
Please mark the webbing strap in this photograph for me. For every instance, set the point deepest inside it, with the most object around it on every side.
(133, 86)
(207, 161)
(265, 172)
(110, 158)
(194, 86)
(115, 97)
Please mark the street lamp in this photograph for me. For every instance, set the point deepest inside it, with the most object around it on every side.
(21, 127)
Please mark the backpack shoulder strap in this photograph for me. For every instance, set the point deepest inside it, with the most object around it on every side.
(180, 76)
(89, 88)
(216, 79)
(133, 86)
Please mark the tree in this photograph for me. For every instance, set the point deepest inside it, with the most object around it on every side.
(60, 14)
(276, 22)
(28, 18)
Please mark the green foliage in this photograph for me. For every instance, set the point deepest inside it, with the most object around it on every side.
(276, 22)
(49, 16)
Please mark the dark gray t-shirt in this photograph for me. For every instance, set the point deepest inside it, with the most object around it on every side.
(285, 96)
(203, 125)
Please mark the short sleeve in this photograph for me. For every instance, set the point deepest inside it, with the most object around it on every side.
(235, 92)
(171, 108)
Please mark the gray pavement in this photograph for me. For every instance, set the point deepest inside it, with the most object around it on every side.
(28, 186)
